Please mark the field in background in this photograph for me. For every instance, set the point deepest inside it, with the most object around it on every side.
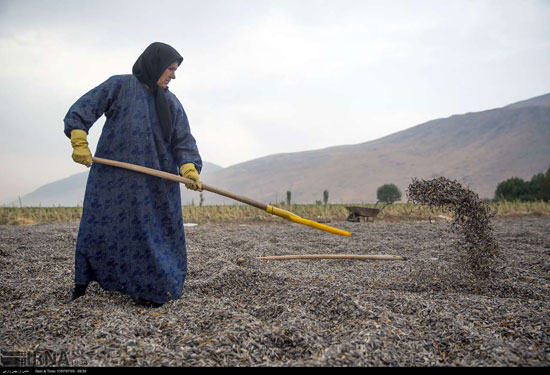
(321, 213)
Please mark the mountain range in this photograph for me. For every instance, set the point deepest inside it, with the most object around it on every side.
(477, 149)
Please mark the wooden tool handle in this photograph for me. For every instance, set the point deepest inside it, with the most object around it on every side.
(183, 180)
(264, 207)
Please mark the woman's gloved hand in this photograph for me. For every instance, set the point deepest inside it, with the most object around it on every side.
(81, 151)
(189, 171)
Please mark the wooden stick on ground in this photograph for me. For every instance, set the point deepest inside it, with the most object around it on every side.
(333, 256)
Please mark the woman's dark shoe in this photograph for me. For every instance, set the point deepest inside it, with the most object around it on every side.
(143, 302)
(79, 291)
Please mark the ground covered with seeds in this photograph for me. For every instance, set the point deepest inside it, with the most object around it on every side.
(237, 310)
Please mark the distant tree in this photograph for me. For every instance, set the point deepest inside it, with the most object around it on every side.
(513, 189)
(517, 189)
(544, 190)
(325, 197)
(541, 186)
(288, 197)
(318, 202)
(536, 184)
(388, 193)
(201, 201)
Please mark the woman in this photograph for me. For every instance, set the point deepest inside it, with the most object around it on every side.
(131, 236)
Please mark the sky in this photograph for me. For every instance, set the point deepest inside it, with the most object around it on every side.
(264, 77)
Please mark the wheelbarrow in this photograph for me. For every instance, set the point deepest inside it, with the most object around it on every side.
(358, 214)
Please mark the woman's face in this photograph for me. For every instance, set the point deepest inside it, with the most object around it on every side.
(168, 75)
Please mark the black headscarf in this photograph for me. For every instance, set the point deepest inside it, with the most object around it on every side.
(148, 69)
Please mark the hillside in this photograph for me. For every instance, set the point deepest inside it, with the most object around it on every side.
(478, 149)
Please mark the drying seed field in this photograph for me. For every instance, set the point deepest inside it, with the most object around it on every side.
(237, 310)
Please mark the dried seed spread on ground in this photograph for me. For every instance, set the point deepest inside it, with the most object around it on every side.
(240, 311)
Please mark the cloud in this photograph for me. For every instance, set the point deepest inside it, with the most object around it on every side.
(264, 77)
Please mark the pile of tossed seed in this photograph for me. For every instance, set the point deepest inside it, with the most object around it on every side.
(472, 219)
(237, 310)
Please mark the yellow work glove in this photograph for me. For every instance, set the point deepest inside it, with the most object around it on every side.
(81, 152)
(189, 171)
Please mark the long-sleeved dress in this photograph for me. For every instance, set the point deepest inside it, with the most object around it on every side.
(131, 236)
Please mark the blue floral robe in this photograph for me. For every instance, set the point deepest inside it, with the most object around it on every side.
(131, 236)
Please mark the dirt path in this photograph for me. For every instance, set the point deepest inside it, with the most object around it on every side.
(240, 311)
